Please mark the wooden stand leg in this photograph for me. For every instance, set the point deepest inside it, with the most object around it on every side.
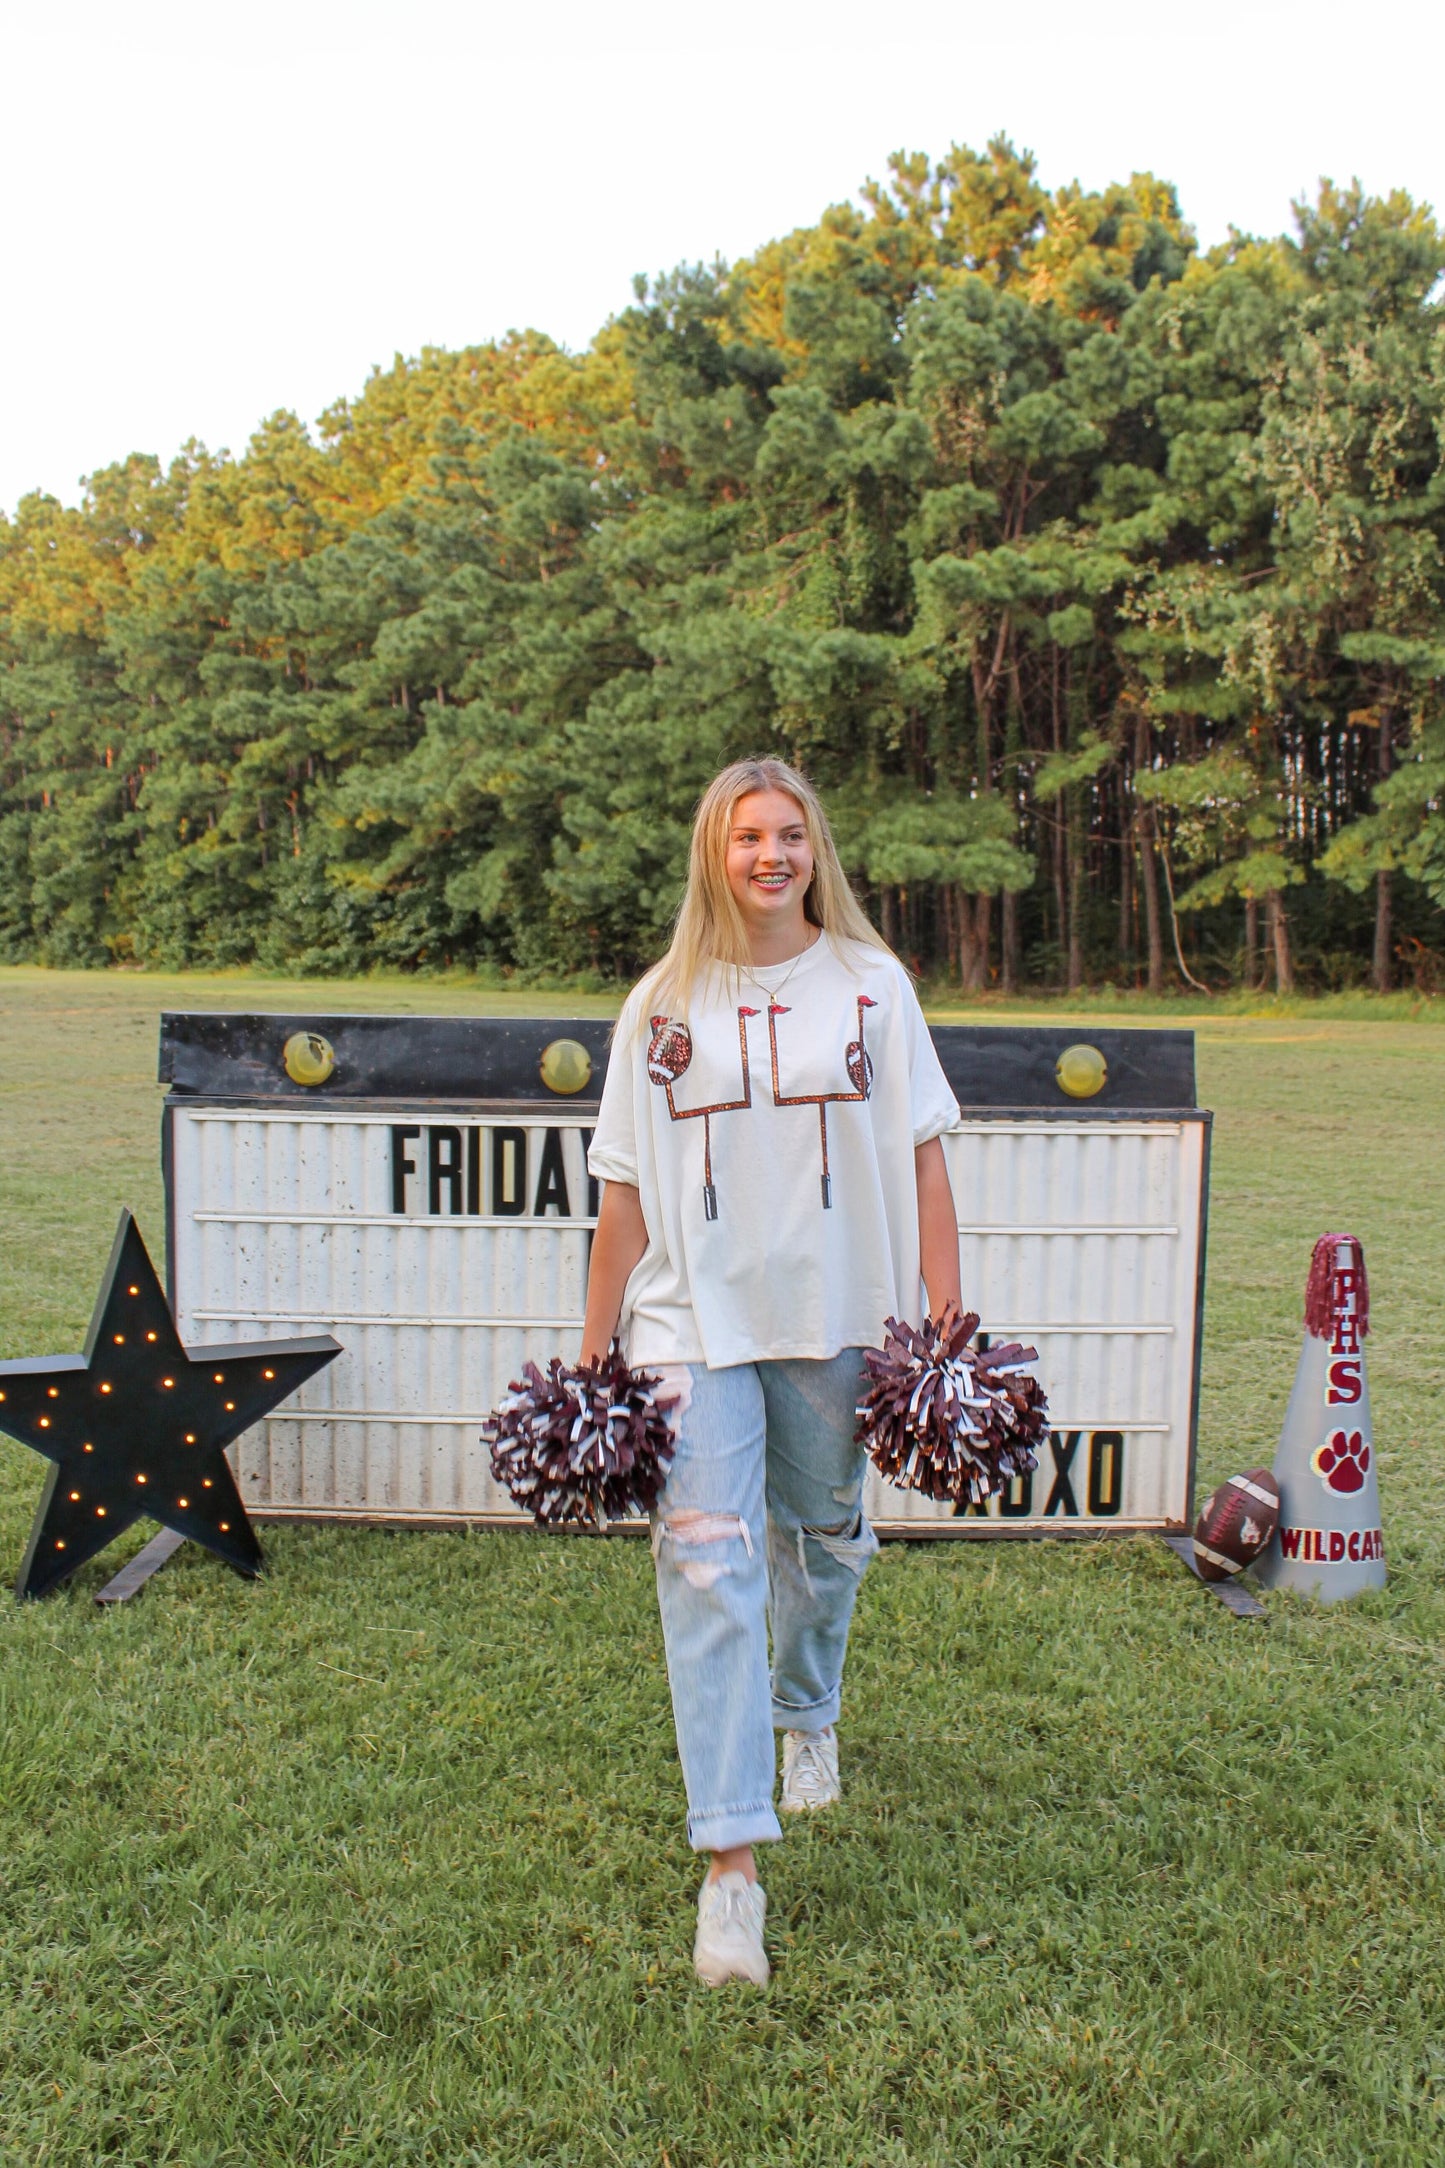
(1230, 1593)
(146, 1562)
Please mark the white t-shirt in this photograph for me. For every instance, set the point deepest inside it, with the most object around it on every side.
(771, 1142)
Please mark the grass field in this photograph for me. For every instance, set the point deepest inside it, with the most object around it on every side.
(379, 1860)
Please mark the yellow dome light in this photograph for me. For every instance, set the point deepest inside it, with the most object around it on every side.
(1081, 1071)
(566, 1067)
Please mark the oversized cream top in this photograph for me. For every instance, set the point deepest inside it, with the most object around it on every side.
(770, 1136)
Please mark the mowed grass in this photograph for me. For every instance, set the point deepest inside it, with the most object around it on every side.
(380, 1860)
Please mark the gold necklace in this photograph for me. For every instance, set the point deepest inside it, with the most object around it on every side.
(771, 996)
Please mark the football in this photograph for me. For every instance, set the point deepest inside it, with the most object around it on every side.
(1236, 1524)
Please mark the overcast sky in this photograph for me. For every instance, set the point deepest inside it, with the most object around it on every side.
(217, 209)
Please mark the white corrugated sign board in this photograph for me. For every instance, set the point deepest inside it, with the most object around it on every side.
(443, 1251)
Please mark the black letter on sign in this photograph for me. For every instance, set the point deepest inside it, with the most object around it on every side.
(401, 1166)
(1106, 1472)
(509, 1199)
(448, 1170)
(1061, 1498)
(594, 1187)
(1017, 1502)
(474, 1171)
(552, 1178)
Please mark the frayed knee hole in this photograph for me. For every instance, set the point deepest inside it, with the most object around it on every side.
(690, 1525)
(846, 1531)
(697, 1574)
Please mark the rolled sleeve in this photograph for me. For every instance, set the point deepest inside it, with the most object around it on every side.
(932, 1103)
(612, 1154)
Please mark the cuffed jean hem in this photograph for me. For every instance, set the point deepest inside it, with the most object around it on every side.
(719, 1829)
(812, 1716)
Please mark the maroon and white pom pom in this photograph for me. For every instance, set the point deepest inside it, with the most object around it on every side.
(948, 1420)
(582, 1442)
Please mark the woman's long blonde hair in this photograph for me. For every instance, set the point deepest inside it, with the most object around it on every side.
(708, 930)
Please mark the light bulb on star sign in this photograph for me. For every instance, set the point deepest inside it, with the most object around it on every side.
(137, 1425)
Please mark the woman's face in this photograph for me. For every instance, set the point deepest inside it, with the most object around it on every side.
(769, 860)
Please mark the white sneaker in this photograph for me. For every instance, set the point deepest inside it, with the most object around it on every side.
(810, 1770)
(729, 1941)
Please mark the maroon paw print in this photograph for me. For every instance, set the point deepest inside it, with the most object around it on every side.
(1343, 1460)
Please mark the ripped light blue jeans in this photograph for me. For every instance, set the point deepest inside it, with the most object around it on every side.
(761, 1519)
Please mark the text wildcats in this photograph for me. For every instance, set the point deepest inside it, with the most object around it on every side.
(1333, 1546)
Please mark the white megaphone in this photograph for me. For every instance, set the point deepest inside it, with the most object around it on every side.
(1329, 1543)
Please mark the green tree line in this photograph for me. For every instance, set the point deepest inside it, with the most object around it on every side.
(1096, 580)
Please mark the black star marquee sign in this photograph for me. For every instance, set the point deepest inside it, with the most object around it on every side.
(136, 1425)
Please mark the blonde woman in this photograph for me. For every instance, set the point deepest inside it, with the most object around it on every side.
(774, 1189)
